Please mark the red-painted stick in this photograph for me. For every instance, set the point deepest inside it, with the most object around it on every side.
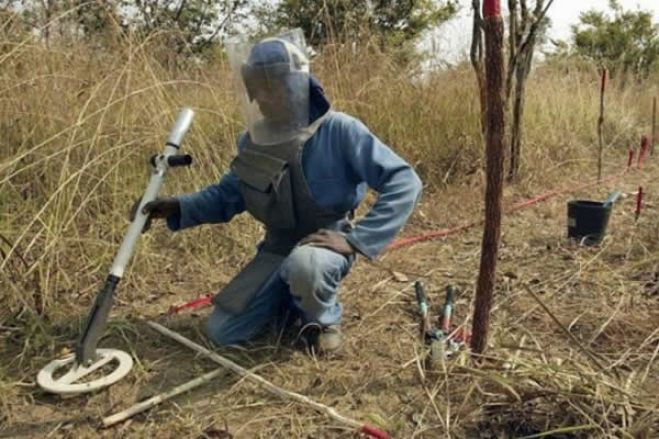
(374, 432)
(639, 202)
(193, 304)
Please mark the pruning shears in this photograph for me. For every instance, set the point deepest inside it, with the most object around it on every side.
(441, 339)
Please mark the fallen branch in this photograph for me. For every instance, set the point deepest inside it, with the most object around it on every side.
(157, 399)
(278, 391)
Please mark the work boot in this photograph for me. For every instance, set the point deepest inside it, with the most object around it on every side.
(321, 339)
(329, 339)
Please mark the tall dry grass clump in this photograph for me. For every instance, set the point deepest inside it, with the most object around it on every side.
(79, 123)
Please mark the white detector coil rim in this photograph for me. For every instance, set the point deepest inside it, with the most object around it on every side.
(67, 385)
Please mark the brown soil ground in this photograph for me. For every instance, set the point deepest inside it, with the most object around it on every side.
(602, 382)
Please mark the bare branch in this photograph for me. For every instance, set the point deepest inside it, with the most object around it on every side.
(534, 27)
(529, 41)
(180, 10)
(220, 26)
(476, 53)
(512, 45)
(538, 7)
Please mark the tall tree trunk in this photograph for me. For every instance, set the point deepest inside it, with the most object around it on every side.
(494, 169)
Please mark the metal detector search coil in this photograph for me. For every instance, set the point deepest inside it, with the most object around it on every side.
(69, 384)
(87, 358)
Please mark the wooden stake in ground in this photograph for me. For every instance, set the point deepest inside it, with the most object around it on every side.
(278, 391)
(639, 203)
(493, 23)
(600, 124)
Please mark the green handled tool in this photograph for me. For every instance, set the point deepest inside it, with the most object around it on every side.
(442, 342)
(428, 332)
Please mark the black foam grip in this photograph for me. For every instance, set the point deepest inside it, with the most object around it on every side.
(179, 160)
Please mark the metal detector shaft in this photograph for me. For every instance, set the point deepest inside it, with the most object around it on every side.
(97, 319)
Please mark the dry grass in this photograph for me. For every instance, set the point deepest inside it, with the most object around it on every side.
(78, 125)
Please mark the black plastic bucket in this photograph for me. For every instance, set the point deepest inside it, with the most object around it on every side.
(587, 220)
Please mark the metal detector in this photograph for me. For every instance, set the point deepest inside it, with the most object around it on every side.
(87, 357)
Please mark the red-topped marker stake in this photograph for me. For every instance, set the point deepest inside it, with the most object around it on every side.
(494, 152)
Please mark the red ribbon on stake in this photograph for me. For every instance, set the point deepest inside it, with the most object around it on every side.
(491, 8)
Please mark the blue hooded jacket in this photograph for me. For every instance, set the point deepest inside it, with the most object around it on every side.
(340, 161)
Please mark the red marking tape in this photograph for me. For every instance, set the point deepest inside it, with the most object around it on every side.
(492, 8)
(196, 303)
(572, 187)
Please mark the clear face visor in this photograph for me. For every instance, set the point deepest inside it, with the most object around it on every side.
(273, 84)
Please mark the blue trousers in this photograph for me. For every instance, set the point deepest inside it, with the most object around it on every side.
(307, 285)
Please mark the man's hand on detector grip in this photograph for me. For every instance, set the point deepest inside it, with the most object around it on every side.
(158, 208)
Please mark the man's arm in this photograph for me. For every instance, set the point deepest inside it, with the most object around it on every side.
(398, 186)
(217, 203)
